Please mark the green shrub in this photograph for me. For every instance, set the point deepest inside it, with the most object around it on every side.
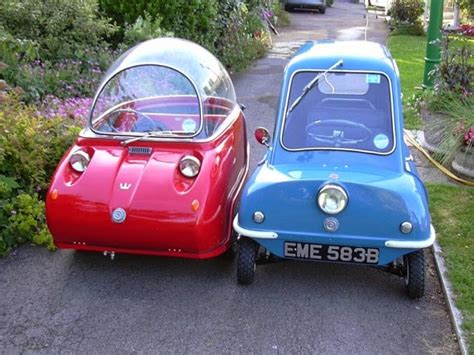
(190, 19)
(22, 220)
(66, 78)
(455, 72)
(144, 28)
(53, 46)
(241, 37)
(405, 17)
(60, 28)
(457, 117)
(30, 148)
(230, 29)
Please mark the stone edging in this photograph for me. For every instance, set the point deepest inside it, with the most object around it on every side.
(455, 314)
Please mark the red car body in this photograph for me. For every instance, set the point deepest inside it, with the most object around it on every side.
(136, 170)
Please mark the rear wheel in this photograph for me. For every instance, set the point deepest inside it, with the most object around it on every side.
(415, 274)
(247, 261)
(289, 8)
(322, 10)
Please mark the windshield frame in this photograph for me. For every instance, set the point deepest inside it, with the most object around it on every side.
(285, 114)
(90, 122)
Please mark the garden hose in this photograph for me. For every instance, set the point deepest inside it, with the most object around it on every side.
(435, 163)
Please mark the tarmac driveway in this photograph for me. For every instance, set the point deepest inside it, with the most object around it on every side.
(75, 302)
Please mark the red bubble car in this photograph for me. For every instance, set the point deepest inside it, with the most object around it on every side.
(161, 163)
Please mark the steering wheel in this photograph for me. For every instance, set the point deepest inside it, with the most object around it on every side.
(154, 126)
(337, 128)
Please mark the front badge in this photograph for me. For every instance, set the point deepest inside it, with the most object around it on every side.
(119, 215)
(125, 186)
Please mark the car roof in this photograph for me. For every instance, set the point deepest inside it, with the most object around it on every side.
(356, 55)
(189, 58)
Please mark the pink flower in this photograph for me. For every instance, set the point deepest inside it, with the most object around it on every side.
(469, 137)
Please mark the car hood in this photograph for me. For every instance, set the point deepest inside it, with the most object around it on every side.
(379, 200)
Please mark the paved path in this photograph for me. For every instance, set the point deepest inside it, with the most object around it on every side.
(84, 303)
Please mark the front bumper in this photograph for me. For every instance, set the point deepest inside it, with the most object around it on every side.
(389, 249)
(413, 244)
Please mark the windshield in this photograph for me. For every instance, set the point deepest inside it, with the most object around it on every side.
(350, 111)
(145, 99)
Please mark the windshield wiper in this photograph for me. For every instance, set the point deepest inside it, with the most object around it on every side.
(154, 134)
(311, 84)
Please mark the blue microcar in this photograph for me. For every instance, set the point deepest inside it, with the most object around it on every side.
(338, 182)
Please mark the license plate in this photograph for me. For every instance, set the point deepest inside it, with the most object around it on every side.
(324, 252)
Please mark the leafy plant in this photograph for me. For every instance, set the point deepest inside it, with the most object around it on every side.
(53, 46)
(30, 148)
(453, 125)
(60, 28)
(22, 220)
(31, 145)
(455, 71)
(242, 36)
(231, 29)
(144, 28)
(190, 19)
(467, 8)
(405, 17)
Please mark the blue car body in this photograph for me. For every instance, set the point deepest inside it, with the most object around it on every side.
(383, 187)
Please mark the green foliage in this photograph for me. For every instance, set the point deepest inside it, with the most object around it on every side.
(23, 221)
(456, 116)
(190, 19)
(30, 145)
(53, 46)
(405, 17)
(60, 28)
(241, 35)
(467, 8)
(30, 148)
(144, 28)
(13, 49)
(455, 71)
(231, 29)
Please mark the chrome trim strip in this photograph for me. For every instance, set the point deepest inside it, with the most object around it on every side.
(333, 148)
(418, 244)
(407, 167)
(229, 121)
(251, 233)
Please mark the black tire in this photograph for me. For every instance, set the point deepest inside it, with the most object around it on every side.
(415, 274)
(247, 261)
(322, 10)
(288, 8)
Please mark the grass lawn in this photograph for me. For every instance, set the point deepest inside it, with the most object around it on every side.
(409, 53)
(452, 210)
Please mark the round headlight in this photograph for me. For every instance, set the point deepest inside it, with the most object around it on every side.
(189, 166)
(332, 199)
(79, 161)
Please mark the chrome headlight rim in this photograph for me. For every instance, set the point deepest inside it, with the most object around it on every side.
(79, 161)
(189, 166)
(341, 206)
